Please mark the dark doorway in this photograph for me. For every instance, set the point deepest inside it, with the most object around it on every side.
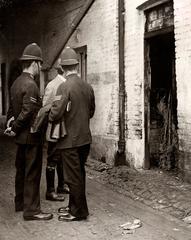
(163, 102)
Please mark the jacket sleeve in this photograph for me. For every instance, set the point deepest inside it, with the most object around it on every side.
(30, 106)
(59, 105)
(92, 102)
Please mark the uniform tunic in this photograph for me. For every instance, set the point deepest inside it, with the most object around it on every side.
(24, 106)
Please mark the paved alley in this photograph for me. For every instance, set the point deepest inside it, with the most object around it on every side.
(109, 209)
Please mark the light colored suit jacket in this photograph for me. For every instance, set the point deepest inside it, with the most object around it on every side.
(54, 131)
(51, 89)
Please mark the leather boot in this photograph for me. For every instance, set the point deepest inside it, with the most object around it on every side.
(60, 174)
(55, 197)
(50, 175)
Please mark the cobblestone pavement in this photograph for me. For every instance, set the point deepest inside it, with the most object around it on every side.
(164, 191)
(115, 196)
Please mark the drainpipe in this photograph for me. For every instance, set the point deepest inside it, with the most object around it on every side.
(120, 156)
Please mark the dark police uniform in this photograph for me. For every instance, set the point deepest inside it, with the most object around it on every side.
(75, 145)
(24, 106)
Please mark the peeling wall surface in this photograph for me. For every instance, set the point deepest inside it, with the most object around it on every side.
(134, 76)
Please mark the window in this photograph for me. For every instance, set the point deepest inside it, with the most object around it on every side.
(82, 53)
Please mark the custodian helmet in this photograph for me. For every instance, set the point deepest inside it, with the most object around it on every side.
(32, 52)
(69, 57)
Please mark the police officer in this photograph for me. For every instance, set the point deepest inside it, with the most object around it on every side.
(75, 145)
(24, 104)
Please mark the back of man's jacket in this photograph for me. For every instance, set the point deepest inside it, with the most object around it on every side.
(82, 109)
(24, 105)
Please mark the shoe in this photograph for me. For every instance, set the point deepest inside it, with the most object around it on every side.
(54, 197)
(69, 218)
(39, 216)
(64, 210)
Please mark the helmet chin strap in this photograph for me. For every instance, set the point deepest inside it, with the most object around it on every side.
(38, 67)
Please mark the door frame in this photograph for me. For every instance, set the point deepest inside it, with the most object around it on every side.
(147, 89)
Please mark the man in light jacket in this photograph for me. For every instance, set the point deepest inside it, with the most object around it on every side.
(54, 157)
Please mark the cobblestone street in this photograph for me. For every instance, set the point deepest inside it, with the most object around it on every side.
(164, 191)
(115, 196)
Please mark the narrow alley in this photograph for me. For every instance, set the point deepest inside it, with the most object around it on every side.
(110, 210)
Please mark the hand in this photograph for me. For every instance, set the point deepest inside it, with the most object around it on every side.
(9, 133)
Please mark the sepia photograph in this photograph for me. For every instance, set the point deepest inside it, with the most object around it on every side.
(95, 119)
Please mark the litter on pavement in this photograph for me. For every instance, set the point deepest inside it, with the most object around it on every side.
(131, 225)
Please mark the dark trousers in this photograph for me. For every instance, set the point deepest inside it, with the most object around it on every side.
(75, 176)
(27, 180)
(54, 162)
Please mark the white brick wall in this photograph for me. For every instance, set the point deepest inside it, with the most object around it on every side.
(99, 31)
(135, 79)
(134, 75)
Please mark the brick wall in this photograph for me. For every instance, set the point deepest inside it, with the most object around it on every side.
(98, 30)
(134, 76)
(182, 11)
(101, 38)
